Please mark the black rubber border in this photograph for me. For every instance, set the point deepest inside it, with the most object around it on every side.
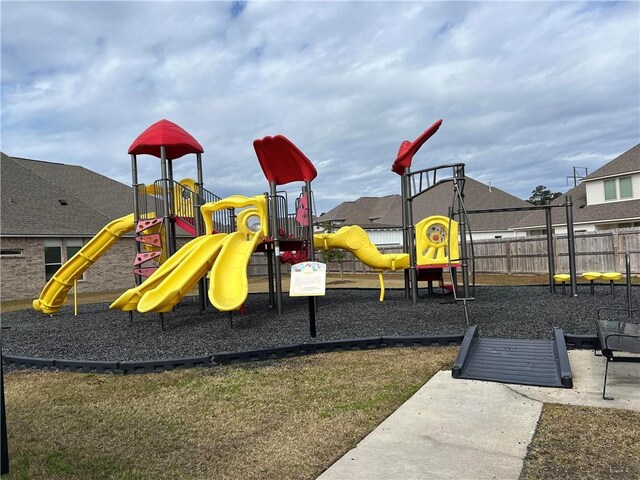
(226, 358)
(274, 353)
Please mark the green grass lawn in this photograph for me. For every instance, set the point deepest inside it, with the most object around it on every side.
(577, 442)
(285, 419)
(272, 420)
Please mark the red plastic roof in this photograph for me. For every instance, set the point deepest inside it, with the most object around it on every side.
(282, 162)
(409, 149)
(177, 141)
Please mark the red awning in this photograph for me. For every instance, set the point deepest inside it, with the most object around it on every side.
(282, 162)
(409, 149)
(178, 141)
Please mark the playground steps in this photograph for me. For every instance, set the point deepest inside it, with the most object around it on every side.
(543, 363)
(187, 224)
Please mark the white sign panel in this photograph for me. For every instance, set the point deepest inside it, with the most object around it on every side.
(308, 279)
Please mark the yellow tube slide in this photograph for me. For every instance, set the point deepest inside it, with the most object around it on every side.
(229, 285)
(54, 294)
(355, 240)
(180, 280)
(129, 299)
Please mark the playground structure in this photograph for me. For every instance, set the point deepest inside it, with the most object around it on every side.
(228, 231)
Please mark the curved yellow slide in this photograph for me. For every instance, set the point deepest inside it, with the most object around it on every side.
(355, 240)
(229, 285)
(129, 299)
(176, 282)
(54, 293)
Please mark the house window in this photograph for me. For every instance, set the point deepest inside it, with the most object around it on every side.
(11, 252)
(625, 188)
(610, 189)
(57, 251)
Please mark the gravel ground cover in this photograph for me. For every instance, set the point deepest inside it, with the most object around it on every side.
(98, 333)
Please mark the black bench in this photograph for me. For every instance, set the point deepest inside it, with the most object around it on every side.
(617, 338)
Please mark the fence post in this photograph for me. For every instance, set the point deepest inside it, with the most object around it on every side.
(508, 247)
(615, 240)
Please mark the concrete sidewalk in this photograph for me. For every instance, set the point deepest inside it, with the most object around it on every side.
(466, 429)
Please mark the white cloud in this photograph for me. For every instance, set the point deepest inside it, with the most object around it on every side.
(525, 89)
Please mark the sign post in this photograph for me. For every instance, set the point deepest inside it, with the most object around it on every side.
(308, 279)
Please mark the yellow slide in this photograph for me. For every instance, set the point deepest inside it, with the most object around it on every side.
(167, 291)
(355, 240)
(129, 299)
(54, 294)
(229, 285)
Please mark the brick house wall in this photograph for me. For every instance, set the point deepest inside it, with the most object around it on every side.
(24, 276)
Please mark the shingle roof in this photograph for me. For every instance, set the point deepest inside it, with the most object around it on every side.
(439, 200)
(387, 210)
(32, 193)
(628, 162)
(366, 212)
(583, 213)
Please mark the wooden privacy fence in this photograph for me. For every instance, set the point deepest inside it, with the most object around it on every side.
(595, 251)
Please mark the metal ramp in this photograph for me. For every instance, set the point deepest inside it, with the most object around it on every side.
(543, 363)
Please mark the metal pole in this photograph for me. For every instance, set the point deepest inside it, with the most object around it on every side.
(312, 258)
(550, 252)
(275, 236)
(136, 207)
(172, 191)
(268, 252)
(166, 201)
(459, 176)
(134, 184)
(197, 203)
(404, 180)
(627, 263)
(571, 246)
(411, 237)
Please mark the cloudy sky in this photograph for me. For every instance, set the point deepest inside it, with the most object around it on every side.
(526, 90)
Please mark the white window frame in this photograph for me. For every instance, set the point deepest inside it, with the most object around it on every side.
(63, 244)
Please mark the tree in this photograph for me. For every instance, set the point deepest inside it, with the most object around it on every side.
(542, 195)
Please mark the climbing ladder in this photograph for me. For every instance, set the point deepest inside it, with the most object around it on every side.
(543, 363)
(147, 234)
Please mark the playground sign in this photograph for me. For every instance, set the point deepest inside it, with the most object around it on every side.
(308, 279)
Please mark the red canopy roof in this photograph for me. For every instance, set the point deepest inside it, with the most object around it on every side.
(177, 141)
(409, 149)
(282, 162)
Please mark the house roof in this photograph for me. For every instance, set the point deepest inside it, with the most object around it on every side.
(477, 195)
(53, 199)
(628, 162)
(386, 212)
(365, 212)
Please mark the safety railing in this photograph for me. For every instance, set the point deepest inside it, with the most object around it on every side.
(180, 201)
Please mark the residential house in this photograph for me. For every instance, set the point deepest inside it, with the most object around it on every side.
(48, 212)
(607, 199)
(382, 217)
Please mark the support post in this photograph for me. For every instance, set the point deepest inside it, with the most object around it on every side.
(405, 235)
(269, 252)
(136, 206)
(312, 258)
(627, 262)
(275, 235)
(459, 179)
(550, 252)
(172, 192)
(197, 203)
(166, 201)
(571, 246)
